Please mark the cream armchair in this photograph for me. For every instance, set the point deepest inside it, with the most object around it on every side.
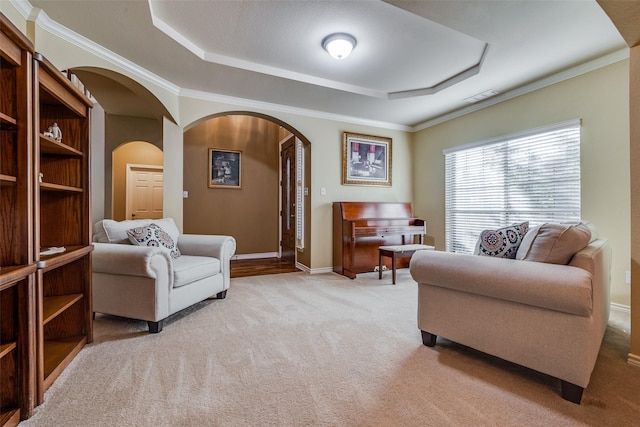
(147, 283)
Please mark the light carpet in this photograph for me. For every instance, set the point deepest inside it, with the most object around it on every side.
(318, 350)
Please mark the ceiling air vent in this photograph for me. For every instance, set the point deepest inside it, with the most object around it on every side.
(479, 97)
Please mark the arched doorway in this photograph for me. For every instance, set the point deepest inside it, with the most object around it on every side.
(259, 212)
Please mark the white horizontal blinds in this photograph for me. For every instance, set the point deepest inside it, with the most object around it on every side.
(299, 194)
(533, 176)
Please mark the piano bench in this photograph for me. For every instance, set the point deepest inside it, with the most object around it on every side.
(398, 251)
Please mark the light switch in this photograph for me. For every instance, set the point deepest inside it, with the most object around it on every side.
(185, 194)
(323, 191)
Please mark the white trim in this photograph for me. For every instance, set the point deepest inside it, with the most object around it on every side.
(515, 135)
(621, 308)
(256, 255)
(254, 105)
(587, 67)
(321, 270)
(303, 267)
(633, 360)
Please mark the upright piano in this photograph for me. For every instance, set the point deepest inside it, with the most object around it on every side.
(359, 228)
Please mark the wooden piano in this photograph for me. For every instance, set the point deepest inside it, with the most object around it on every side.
(359, 228)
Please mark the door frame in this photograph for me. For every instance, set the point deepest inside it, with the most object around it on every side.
(280, 200)
(130, 169)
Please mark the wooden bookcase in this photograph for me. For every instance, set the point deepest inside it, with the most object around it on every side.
(17, 267)
(62, 220)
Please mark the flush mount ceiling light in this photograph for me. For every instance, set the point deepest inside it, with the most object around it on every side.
(339, 45)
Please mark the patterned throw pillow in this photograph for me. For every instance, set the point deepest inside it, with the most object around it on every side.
(503, 242)
(153, 235)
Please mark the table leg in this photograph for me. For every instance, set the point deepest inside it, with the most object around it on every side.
(380, 265)
(393, 268)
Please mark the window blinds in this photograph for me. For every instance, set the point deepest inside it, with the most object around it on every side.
(531, 176)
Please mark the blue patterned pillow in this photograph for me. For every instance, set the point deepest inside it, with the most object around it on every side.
(503, 242)
(153, 235)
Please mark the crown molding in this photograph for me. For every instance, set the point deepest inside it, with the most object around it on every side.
(271, 107)
(576, 71)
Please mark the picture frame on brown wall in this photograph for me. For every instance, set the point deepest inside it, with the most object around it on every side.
(225, 168)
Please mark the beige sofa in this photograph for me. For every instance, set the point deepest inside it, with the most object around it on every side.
(546, 316)
(147, 282)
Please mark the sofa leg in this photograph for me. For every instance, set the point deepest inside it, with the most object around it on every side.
(428, 339)
(221, 295)
(155, 327)
(571, 392)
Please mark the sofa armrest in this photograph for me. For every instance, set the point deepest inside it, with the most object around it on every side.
(216, 246)
(220, 247)
(144, 261)
(557, 287)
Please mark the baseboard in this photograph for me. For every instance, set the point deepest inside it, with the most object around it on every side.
(633, 360)
(620, 307)
(321, 270)
(303, 267)
(255, 256)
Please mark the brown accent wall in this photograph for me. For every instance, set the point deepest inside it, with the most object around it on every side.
(251, 213)
(138, 153)
(120, 130)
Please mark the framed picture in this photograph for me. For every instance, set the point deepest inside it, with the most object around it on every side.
(225, 168)
(366, 160)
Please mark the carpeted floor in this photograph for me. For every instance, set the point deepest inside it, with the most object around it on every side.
(318, 350)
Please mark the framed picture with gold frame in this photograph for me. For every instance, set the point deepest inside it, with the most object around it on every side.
(225, 168)
(366, 160)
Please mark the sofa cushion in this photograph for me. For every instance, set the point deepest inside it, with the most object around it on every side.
(554, 243)
(503, 242)
(153, 235)
(188, 268)
(110, 231)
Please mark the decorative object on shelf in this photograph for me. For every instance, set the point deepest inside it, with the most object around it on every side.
(366, 160)
(54, 132)
(225, 168)
(53, 250)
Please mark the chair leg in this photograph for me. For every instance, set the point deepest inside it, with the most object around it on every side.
(428, 339)
(221, 295)
(571, 392)
(155, 327)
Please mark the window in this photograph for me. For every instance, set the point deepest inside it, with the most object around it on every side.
(531, 176)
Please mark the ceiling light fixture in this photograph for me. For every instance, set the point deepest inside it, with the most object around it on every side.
(339, 45)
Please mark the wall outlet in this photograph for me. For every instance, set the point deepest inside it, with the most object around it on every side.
(185, 194)
(628, 278)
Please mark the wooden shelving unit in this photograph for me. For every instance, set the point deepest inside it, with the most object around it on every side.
(45, 301)
(61, 176)
(17, 265)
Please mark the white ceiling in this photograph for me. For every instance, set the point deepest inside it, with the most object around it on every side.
(414, 60)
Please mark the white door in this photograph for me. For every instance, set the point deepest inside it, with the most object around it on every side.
(144, 192)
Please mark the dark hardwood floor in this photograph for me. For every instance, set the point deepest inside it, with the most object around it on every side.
(260, 266)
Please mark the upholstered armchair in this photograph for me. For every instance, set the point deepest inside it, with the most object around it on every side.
(147, 270)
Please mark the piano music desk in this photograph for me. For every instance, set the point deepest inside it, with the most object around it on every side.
(398, 251)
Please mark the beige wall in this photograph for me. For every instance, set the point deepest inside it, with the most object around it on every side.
(600, 98)
(137, 153)
(251, 213)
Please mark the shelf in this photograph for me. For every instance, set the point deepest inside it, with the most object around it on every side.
(47, 186)
(9, 417)
(58, 354)
(6, 348)
(51, 146)
(7, 121)
(7, 179)
(12, 273)
(53, 306)
(72, 253)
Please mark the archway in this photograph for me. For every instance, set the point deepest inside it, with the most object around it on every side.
(251, 213)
